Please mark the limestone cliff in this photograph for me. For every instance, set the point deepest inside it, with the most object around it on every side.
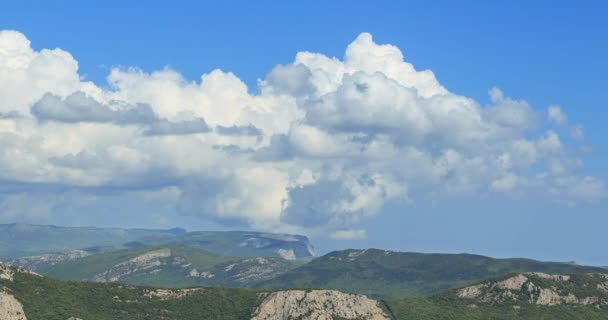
(317, 305)
(10, 308)
(541, 289)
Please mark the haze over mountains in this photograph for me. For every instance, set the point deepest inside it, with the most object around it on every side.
(176, 259)
(20, 240)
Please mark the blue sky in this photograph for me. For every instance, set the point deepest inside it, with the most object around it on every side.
(546, 53)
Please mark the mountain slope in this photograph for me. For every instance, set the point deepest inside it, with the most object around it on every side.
(526, 296)
(25, 240)
(516, 296)
(20, 240)
(24, 295)
(169, 266)
(43, 299)
(381, 274)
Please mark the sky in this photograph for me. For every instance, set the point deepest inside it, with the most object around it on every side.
(424, 126)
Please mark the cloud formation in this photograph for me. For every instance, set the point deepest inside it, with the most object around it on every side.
(324, 145)
(78, 107)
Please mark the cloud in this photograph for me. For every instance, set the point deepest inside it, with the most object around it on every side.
(578, 132)
(248, 130)
(165, 127)
(78, 107)
(358, 234)
(10, 115)
(556, 115)
(292, 80)
(323, 146)
(589, 188)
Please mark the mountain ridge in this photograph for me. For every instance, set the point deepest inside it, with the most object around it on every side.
(169, 266)
(24, 240)
(25, 295)
(384, 274)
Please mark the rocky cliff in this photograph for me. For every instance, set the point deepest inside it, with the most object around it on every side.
(541, 289)
(10, 307)
(317, 305)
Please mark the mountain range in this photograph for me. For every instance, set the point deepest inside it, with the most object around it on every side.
(22, 240)
(168, 266)
(385, 274)
(99, 273)
(522, 296)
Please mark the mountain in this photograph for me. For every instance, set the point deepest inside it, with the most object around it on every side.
(20, 240)
(24, 295)
(523, 296)
(384, 274)
(34, 263)
(516, 296)
(168, 266)
(26, 240)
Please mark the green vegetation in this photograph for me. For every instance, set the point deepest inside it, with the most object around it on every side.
(45, 299)
(385, 274)
(447, 305)
(436, 309)
(86, 268)
(185, 267)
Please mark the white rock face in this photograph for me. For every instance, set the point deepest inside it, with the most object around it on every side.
(287, 254)
(145, 261)
(49, 259)
(523, 283)
(6, 273)
(513, 283)
(253, 269)
(171, 294)
(317, 305)
(10, 308)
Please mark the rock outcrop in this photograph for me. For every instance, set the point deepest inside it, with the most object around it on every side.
(541, 289)
(7, 271)
(252, 270)
(317, 305)
(10, 308)
(50, 259)
(144, 261)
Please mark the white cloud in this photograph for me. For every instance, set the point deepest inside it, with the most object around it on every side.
(358, 234)
(556, 115)
(324, 145)
(505, 183)
(578, 132)
(78, 107)
(587, 187)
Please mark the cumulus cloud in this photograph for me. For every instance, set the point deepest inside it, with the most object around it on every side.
(162, 127)
(325, 144)
(248, 130)
(78, 107)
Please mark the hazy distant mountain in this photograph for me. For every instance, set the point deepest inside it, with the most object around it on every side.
(379, 273)
(524, 296)
(169, 266)
(23, 240)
